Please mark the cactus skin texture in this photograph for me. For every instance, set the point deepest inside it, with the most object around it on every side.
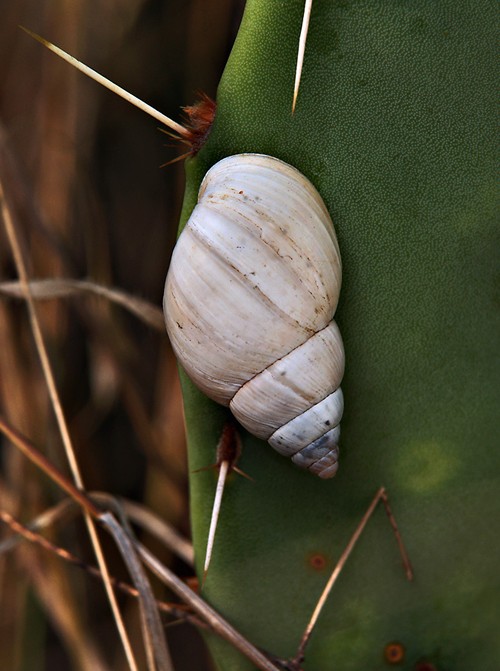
(394, 126)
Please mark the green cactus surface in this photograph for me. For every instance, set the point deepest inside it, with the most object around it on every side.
(395, 127)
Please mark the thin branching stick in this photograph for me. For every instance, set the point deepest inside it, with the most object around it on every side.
(156, 649)
(198, 605)
(41, 521)
(48, 289)
(25, 532)
(379, 496)
(193, 600)
(135, 512)
(152, 523)
(215, 621)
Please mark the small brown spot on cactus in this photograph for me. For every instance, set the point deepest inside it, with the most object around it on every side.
(394, 653)
(317, 561)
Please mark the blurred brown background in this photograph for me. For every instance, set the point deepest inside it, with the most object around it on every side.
(81, 170)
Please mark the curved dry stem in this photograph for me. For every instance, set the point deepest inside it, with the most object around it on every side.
(42, 521)
(152, 630)
(155, 525)
(154, 640)
(135, 512)
(211, 617)
(215, 621)
(381, 495)
(48, 289)
(23, 533)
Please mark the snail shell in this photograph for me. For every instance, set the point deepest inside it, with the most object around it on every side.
(249, 302)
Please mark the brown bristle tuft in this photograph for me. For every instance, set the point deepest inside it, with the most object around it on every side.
(199, 119)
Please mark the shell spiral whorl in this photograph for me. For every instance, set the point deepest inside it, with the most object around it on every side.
(249, 302)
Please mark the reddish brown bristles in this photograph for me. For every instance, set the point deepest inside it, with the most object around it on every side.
(199, 120)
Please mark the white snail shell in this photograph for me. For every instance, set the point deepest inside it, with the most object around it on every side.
(249, 299)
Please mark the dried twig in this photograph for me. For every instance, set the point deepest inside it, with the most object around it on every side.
(61, 288)
(152, 630)
(42, 521)
(155, 525)
(215, 621)
(24, 532)
(135, 512)
(379, 496)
